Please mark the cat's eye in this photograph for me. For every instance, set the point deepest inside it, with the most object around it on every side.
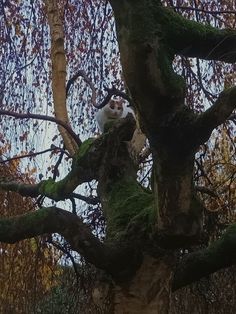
(112, 104)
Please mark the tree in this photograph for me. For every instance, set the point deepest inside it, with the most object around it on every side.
(145, 229)
(29, 269)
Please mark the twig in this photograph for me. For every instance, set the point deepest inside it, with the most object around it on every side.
(87, 80)
(42, 117)
(204, 11)
(113, 92)
(89, 200)
(32, 154)
(203, 189)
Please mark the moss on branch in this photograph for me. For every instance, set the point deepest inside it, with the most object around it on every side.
(31, 224)
(129, 206)
(218, 255)
(118, 260)
(193, 39)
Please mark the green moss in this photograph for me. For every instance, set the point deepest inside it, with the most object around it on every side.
(151, 28)
(175, 27)
(11, 227)
(174, 83)
(225, 244)
(56, 190)
(129, 205)
(35, 217)
(145, 27)
(61, 189)
(109, 124)
(85, 146)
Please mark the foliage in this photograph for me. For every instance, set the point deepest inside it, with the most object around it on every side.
(111, 202)
(28, 268)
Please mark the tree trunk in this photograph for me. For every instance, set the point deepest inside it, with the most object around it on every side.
(149, 292)
(179, 217)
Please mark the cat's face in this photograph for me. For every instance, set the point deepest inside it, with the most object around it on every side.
(114, 109)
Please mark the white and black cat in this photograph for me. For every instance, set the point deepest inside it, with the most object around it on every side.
(115, 109)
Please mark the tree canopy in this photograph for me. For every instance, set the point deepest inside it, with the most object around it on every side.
(156, 186)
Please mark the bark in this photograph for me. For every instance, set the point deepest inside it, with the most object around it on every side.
(149, 35)
(149, 291)
(117, 259)
(59, 71)
(217, 114)
(218, 255)
(63, 189)
(140, 221)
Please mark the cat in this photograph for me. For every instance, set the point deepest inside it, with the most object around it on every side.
(115, 109)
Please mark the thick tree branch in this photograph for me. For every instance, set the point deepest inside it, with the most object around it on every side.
(57, 191)
(54, 220)
(114, 259)
(58, 59)
(31, 190)
(193, 39)
(216, 114)
(185, 37)
(85, 166)
(194, 266)
(205, 190)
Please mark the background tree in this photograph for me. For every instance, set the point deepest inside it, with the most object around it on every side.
(173, 71)
(29, 269)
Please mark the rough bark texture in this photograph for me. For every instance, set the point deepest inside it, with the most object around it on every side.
(149, 35)
(149, 291)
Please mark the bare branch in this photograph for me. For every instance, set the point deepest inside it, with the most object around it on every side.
(213, 12)
(89, 200)
(31, 154)
(113, 92)
(42, 117)
(56, 166)
(87, 80)
(194, 266)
